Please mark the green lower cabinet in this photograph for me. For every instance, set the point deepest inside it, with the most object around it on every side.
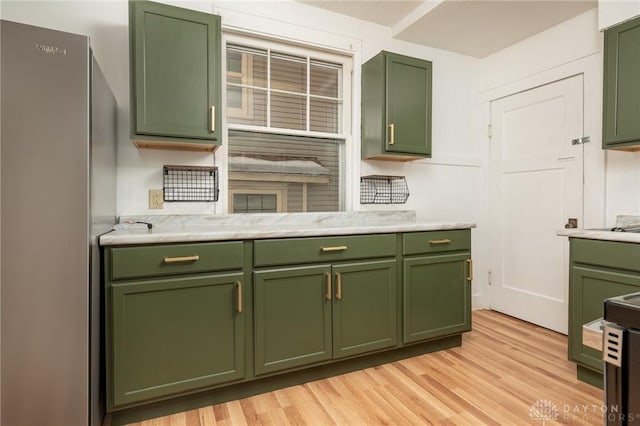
(309, 314)
(437, 296)
(589, 287)
(173, 336)
(292, 317)
(364, 307)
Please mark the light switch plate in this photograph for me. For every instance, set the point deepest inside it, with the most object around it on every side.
(156, 199)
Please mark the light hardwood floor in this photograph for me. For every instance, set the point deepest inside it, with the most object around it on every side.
(507, 372)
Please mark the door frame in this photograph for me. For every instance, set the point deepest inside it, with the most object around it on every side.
(593, 159)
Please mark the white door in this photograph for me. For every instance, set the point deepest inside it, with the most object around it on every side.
(536, 184)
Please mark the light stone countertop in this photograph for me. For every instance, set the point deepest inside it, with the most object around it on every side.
(198, 228)
(600, 234)
(606, 234)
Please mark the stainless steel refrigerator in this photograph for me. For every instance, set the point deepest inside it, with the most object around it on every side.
(57, 188)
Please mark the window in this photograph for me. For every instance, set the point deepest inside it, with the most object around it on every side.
(287, 127)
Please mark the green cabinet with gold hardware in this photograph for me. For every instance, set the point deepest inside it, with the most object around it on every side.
(307, 314)
(198, 317)
(396, 108)
(599, 270)
(175, 77)
(437, 274)
(292, 317)
(171, 332)
(621, 98)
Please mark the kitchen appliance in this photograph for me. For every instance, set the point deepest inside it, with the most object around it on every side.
(57, 187)
(621, 353)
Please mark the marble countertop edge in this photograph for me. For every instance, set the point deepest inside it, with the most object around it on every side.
(600, 234)
(201, 233)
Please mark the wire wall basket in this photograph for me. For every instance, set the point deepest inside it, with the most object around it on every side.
(190, 183)
(380, 189)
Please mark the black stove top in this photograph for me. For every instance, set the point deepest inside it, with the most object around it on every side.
(623, 310)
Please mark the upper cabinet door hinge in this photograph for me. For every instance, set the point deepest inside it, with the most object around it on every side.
(489, 131)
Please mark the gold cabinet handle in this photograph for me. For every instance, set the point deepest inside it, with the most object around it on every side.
(328, 295)
(392, 134)
(213, 118)
(470, 277)
(239, 286)
(434, 242)
(334, 248)
(338, 286)
(181, 259)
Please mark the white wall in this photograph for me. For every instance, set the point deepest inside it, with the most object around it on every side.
(139, 170)
(612, 179)
(452, 186)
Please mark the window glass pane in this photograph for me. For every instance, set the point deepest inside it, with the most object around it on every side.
(234, 61)
(288, 111)
(234, 97)
(246, 66)
(240, 203)
(288, 73)
(324, 115)
(324, 79)
(305, 170)
(246, 105)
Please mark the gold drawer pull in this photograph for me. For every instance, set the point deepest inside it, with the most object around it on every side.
(470, 277)
(434, 242)
(334, 248)
(181, 259)
(328, 295)
(339, 286)
(392, 134)
(213, 119)
(239, 286)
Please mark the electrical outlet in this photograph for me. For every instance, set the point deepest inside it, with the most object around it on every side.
(156, 199)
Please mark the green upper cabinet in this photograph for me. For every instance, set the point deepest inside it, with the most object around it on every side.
(396, 108)
(621, 99)
(175, 77)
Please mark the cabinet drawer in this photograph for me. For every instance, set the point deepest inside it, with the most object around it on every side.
(436, 241)
(132, 262)
(323, 249)
(612, 254)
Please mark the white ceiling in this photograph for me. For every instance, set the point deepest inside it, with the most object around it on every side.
(471, 27)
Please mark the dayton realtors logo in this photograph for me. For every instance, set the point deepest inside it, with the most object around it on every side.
(543, 410)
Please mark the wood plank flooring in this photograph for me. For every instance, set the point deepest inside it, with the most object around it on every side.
(507, 372)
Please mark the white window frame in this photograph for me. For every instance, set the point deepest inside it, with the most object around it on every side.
(339, 56)
(298, 50)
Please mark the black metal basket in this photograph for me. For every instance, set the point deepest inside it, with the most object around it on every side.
(381, 189)
(190, 183)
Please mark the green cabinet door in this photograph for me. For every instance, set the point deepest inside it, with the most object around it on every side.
(396, 108)
(292, 317)
(175, 75)
(437, 296)
(172, 336)
(589, 287)
(364, 307)
(621, 98)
